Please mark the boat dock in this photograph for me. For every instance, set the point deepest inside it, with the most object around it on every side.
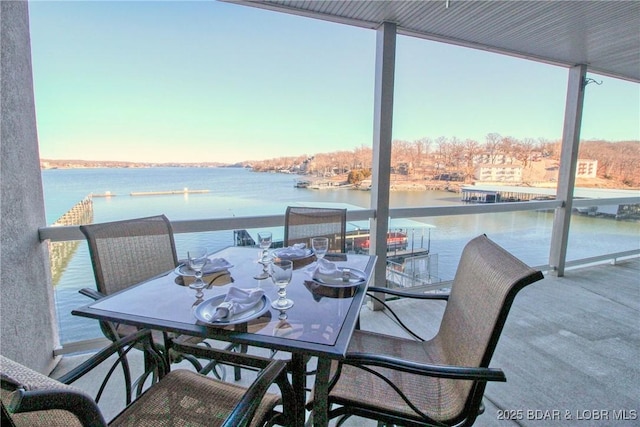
(498, 194)
(153, 193)
(60, 253)
(164, 193)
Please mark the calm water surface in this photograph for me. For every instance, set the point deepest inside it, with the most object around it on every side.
(241, 192)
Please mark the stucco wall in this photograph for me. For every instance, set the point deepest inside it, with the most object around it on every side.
(28, 331)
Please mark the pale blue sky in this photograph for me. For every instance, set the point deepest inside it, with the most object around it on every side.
(211, 81)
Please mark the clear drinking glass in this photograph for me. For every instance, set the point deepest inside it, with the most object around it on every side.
(264, 241)
(281, 271)
(320, 246)
(197, 259)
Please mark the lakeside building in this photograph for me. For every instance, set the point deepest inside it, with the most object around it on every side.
(586, 168)
(499, 173)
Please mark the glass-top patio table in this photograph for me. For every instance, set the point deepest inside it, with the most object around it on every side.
(320, 323)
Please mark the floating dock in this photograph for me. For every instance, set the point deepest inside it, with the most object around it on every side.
(164, 193)
(60, 253)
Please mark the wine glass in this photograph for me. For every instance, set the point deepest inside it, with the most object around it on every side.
(197, 259)
(281, 271)
(320, 246)
(264, 241)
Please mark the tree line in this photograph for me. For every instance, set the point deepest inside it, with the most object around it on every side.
(431, 157)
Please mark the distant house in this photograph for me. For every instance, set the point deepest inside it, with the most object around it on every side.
(498, 173)
(454, 176)
(586, 169)
(488, 158)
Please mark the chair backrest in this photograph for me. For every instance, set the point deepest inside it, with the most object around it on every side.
(485, 285)
(303, 223)
(127, 252)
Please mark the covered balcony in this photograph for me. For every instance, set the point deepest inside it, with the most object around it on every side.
(571, 344)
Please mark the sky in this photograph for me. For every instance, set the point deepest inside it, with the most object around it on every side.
(210, 81)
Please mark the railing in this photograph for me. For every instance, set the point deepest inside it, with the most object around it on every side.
(419, 271)
(70, 233)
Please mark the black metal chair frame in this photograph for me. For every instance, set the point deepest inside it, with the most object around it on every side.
(480, 375)
(86, 409)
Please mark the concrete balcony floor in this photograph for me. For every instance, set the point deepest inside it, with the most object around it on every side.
(570, 350)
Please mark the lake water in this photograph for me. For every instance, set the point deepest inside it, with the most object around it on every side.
(241, 192)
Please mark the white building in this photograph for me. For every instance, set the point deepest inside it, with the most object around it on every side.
(498, 173)
(586, 168)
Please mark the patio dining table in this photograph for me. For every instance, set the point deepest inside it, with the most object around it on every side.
(319, 324)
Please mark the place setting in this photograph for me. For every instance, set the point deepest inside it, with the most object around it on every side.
(326, 278)
(198, 271)
(299, 254)
(238, 305)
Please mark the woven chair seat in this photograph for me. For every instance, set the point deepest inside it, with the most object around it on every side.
(438, 398)
(189, 399)
(50, 418)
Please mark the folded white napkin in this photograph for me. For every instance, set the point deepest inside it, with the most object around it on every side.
(237, 301)
(214, 265)
(327, 271)
(296, 251)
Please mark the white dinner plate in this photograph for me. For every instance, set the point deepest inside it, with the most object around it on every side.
(212, 266)
(356, 277)
(205, 311)
(282, 253)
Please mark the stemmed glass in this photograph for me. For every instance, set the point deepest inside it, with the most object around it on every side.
(197, 259)
(320, 246)
(264, 241)
(281, 271)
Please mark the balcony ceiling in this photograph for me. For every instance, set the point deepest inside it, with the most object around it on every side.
(604, 35)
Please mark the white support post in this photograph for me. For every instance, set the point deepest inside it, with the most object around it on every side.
(568, 165)
(382, 132)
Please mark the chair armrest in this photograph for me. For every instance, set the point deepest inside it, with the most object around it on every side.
(91, 293)
(122, 347)
(403, 294)
(440, 371)
(244, 411)
(78, 403)
(406, 294)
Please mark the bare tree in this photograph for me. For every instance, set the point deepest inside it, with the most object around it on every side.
(471, 150)
(492, 145)
(506, 147)
(443, 154)
(457, 154)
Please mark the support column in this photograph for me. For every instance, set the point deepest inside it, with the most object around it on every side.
(568, 165)
(28, 330)
(382, 130)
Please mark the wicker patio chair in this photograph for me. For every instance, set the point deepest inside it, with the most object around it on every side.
(181, 397)
(127, 252)
(303, 223)
(440, 381)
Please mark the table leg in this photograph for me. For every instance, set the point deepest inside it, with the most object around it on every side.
(321, 393)
(167, 349)
(299, 384)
